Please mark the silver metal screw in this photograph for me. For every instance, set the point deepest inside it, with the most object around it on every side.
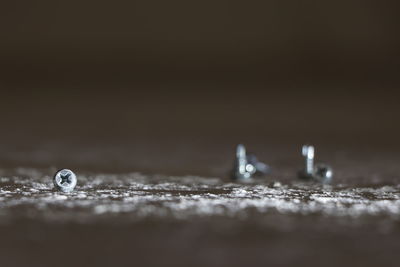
(308, 153)
(65, 180)
(319, 172)
(247, 166)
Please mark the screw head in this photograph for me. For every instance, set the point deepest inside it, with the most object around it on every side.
(65, 180)
(323, 173)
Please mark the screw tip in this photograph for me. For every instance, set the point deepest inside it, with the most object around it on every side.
(240, 151)
(308, 151)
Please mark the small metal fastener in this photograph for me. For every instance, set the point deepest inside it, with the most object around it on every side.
(65, 180)
(247, 166)
(320, 172)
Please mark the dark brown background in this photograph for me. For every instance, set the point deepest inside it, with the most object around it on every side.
(173, 86)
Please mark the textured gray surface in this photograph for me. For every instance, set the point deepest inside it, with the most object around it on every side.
(135, 196)
(130, 219)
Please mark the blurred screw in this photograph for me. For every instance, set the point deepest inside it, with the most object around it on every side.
(65, 180)
(247, 166)
(320, 172)
(308, 153)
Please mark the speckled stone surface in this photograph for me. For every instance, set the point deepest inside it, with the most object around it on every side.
(133, 218)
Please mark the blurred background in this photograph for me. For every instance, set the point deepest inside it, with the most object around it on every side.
(172, 86)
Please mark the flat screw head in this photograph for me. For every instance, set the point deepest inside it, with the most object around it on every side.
(65, 180)
(323, 173)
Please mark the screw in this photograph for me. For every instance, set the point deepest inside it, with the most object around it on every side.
(247, 166)
(308, 153)
(65, 180)
(319, 172)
